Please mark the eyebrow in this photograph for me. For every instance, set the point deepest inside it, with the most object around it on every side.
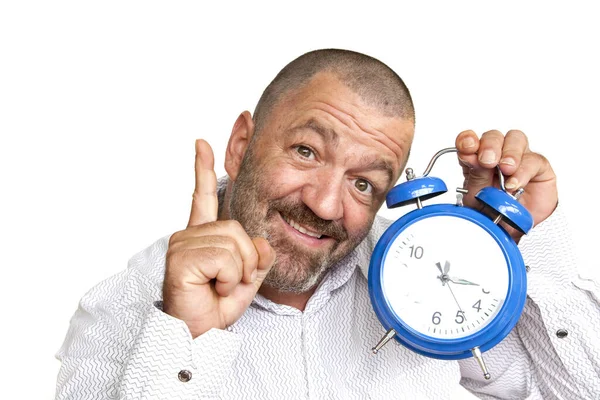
(327, 133)
(379, 164)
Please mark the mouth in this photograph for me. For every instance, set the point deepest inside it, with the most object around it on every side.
(304, 233)
(301, 228)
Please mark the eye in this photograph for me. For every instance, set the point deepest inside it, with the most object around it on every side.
(363, 186)
(305, 152)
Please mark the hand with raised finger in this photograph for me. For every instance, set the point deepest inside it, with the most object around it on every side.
(521, 168)
(213, 268)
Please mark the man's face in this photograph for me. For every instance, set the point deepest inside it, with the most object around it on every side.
(313, 180)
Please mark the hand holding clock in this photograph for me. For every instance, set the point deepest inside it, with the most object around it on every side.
(521, 167)
(431, 325)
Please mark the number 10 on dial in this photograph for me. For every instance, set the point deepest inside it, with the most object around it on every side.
(447, 281)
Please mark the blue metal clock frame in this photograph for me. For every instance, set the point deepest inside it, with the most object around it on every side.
(450, 349)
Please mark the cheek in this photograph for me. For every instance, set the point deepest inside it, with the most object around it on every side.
(357, 218)
(281, 179)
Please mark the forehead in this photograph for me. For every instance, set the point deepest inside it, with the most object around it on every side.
(336, 111)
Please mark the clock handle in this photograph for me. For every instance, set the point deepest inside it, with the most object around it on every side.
(477, 354)
(436, 156)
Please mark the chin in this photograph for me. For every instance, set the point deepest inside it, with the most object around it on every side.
(294, 279)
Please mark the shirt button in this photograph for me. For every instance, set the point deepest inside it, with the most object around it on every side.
(561, 333)
(184, 375)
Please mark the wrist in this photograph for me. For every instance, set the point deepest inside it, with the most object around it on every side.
(196, 326)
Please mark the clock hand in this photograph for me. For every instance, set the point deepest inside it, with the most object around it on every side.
(447, 278)
(439, 265)
(460, 281)
(459, 309)
(444, 272)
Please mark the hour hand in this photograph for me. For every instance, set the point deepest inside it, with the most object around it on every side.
(460, 281)
(446, 267)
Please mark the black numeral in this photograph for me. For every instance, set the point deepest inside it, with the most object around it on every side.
(460, 317)
(477, 305)
(436, 318)
(484, 291)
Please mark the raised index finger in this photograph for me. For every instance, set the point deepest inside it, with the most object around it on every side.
(205, 205)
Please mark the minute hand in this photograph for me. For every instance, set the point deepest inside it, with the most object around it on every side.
(460, 281)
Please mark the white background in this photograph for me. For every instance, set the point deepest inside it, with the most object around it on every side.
(100, 103)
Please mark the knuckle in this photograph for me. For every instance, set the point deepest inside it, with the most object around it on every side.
(175, 238)
(532, 156)
(214, 255)
(541, 159)
(208, 225)
(233, 225)
(229, 244)
(229, 269)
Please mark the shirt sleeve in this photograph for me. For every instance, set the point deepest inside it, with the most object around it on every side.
(120, 345)
(554, 350)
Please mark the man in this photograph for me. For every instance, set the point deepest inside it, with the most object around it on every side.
(264, 294)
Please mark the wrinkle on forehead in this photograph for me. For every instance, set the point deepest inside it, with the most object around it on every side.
(327, 94)
(312, 124)
(374, 127)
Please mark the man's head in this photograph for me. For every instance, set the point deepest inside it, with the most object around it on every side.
(329, 138)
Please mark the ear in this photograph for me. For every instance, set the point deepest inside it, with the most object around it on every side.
(242, 132)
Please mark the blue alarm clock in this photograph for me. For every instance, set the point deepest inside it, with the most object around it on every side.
(428, 290)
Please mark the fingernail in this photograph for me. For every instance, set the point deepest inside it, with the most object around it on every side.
(253, 276)
(487, 157)
(511, 183)
(468, 142)
(508, 161)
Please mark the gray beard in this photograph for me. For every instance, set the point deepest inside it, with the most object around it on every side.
(295, 270)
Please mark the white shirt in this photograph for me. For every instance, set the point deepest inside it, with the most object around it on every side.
(120, 345)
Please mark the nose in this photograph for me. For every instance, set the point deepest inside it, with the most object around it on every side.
(324, 195)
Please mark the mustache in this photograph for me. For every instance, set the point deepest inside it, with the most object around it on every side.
(303, 215)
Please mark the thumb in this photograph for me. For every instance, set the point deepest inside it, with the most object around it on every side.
(266, 259)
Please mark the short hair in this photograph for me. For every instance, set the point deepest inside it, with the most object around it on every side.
(376, 83)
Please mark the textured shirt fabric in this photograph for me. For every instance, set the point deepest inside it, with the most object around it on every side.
(120, 345)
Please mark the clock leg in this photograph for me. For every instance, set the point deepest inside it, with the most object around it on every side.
(389, 335)
(477, 354)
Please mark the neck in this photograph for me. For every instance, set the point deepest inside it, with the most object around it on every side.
(296, 300)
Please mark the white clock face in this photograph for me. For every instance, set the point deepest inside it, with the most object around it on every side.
(445, 277)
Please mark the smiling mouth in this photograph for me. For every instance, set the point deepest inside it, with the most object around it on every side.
(301, 228)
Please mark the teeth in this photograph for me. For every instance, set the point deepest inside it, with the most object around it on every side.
(299, 228)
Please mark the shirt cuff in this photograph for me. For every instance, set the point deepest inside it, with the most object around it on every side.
(165, 359)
